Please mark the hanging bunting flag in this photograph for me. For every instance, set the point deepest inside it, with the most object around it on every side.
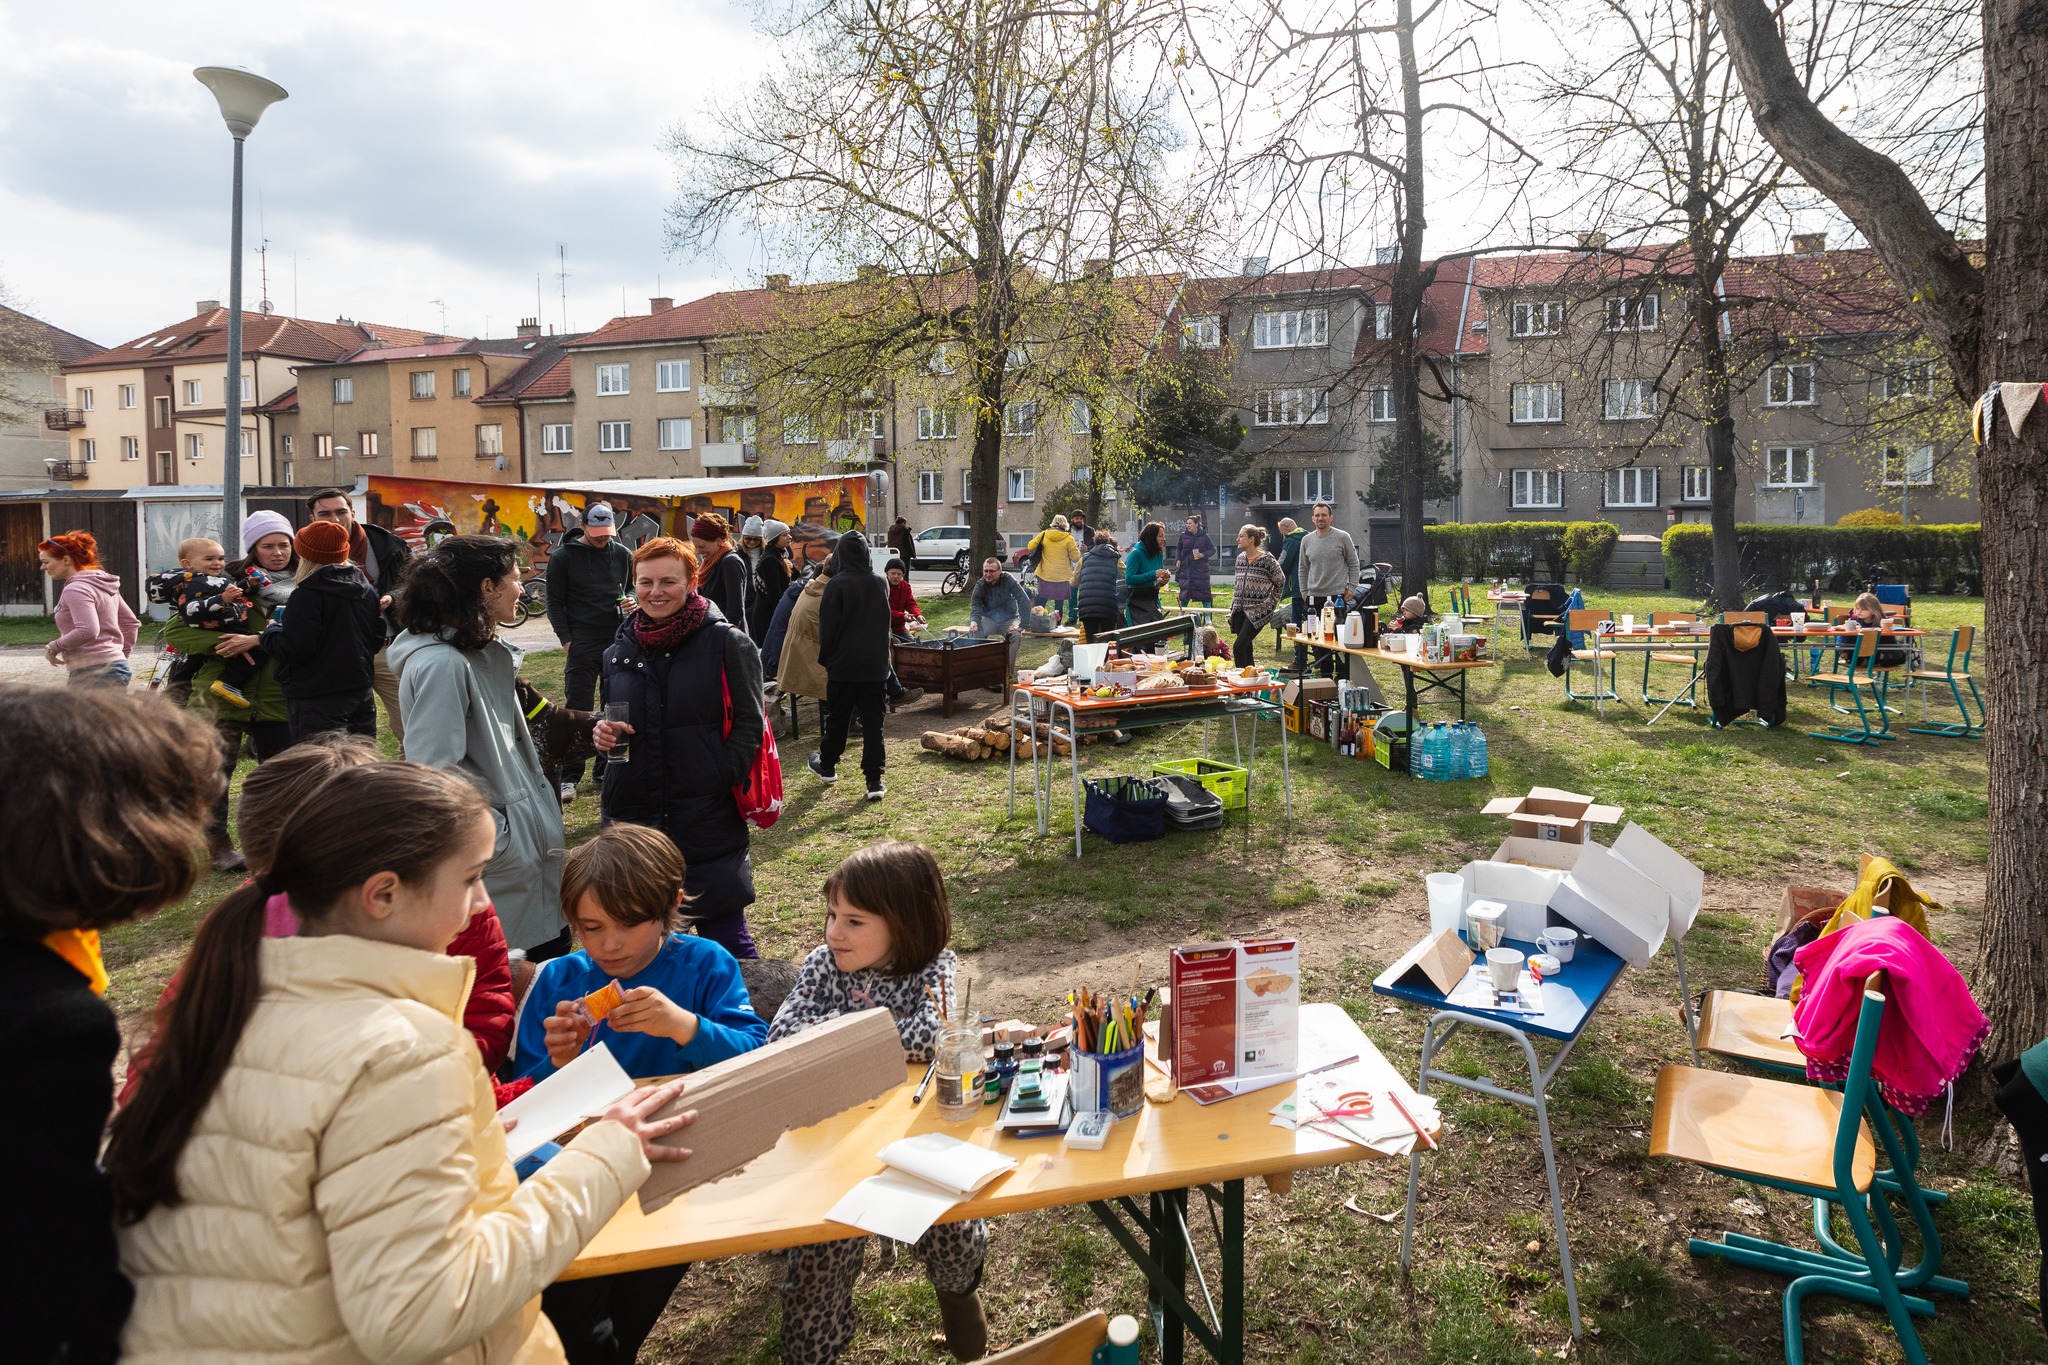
(2019, 400)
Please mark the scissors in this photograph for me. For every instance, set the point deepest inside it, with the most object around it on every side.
(1354, 1104)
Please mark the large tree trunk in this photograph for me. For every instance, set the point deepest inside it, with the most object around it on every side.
(1407, 313)
(1718, 424)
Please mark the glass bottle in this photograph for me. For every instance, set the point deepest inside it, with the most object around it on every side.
(958, 1051)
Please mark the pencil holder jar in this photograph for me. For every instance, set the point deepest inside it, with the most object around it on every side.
(1108, 1080)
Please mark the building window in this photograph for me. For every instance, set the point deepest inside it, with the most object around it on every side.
(1024, 485)
(967, 485)
(85, 400)
(672, 433)
(1289, 328)
(1204, 333)
(1696, 483)
(740, 427)
(1626, 400)
(1632, 487)
(192, 398)
(285, 442)
(323, 447)
(462, 383)
(613, 437)
(1383, 322)
(1281, 486)
(162, 406)
(1788, 467)
(1788, 386)
(671, 376)
(1913, 379)
(366, 445)
(426, 444)
(166, 468)
(422, 383)
(1379, 405)
(1904, 467)
(1318, 485)
(1541, 318)
(1536, 403)
(1080, 417)
(799, 431)
(614, 379)
(931, 485)
(131, 447)
(865, 424)
(344, 389)
(1537, 488)
(937, 424)
(127, 395)
(195, 446)
(490, 438)
(89, 450)
(1020, 419)
(555, 438)
(1632, 315)
(734, 369)
(248, 442)
(1290, 407)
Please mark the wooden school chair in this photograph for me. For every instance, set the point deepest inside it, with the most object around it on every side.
(1689, 657)
(1859, 680)
(1469, 617)
(1956, 674)
(1588, 620)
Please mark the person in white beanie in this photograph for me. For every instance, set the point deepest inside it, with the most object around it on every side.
(768, 564)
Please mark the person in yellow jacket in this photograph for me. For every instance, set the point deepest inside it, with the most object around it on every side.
(313, 1168)
(1059, 560)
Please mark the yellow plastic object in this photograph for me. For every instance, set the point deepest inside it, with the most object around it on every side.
(1751, 1125)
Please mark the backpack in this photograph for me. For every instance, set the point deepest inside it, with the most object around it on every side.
(1034, 552)
(760, 800)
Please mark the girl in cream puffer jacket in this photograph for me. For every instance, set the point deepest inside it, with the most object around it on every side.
(328, 1182)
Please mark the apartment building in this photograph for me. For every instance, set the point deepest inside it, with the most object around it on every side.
(152, 411)
(35, 417)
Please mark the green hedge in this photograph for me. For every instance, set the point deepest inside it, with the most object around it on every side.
(1946, 559)
(1542, 550)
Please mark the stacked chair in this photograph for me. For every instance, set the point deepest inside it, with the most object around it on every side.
(1956, 674)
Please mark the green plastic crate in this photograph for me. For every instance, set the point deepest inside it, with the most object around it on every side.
(1231, 783)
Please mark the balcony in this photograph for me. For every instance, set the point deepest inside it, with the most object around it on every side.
(63, 419)
(64, 471)
(727, 395)
(859, 451)
(730, 455)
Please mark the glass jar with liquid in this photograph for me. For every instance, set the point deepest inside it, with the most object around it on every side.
(957, 1078)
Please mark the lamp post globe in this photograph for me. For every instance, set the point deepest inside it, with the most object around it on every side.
(242, 96)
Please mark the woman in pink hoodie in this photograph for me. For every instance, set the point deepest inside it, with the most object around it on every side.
(95, 629)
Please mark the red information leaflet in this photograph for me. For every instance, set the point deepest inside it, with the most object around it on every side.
(1204, 1013)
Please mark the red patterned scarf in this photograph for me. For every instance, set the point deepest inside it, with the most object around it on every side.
(659, 637)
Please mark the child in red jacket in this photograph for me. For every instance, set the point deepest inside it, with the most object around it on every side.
(905, 617)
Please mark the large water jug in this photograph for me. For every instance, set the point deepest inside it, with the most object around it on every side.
(1418, 741)
(1461, 751)
(1478, 760)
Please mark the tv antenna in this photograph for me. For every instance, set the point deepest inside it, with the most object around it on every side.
(562, 277)
(441, 304)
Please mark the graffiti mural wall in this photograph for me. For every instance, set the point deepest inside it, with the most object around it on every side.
(424, 510)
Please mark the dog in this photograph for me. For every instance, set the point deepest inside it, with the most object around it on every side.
(562, 736)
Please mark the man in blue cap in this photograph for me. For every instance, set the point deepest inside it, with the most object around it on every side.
(590, 582)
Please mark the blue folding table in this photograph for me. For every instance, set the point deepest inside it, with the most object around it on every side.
(1585, 980)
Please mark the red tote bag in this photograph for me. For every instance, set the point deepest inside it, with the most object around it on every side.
(760, 800)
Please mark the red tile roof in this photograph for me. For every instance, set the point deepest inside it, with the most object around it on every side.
(1845, 292)
(205, 336)
(288, 401)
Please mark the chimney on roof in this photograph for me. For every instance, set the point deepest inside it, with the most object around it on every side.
(344, 322)
(659, 305)
(778, 281)
(870, 274)
(1096, 268)
(1592, 241)
(206, 306)
(529, 327)
(1809, 243)
(1254, 265)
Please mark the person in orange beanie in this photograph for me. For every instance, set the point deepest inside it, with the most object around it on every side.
(325, 640)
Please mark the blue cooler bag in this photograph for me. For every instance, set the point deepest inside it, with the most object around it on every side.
(1125, 810)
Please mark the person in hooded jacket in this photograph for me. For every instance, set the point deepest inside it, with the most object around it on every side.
(1191, 564)
(798, 673)
(95, 629)
(1095, 604)
(326, 645)
(721, 568)
(590, 584)
(681, 668)
(853, 648)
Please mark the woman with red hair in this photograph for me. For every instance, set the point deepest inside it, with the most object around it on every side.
(721, 570)
(95, 629)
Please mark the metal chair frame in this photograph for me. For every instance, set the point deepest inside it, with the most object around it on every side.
(1955, 673)
(1586, 619)
(1860, 678)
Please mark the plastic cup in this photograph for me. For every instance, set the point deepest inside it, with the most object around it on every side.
(1446, 902)
(1628, 622)
(1504, 967)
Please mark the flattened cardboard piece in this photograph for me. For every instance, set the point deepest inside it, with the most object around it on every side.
(745, 1104)
(1525, 890)
(1552, 814)
(1667, 867)
(1802, 903)
(1441, 960)
(1614, 904)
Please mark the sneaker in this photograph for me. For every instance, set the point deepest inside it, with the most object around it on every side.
(231, 695)
(567, 792)
(816, 763)
(876, 791)
(910, 696)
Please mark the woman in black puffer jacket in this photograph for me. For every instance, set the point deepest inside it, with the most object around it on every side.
(1095, 587)
(674, 663)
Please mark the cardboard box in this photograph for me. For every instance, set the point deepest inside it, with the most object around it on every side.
(1651, 856)
(1234, 1010)
(1319, 714)
(1601, 896)
(1525, 890)
(1804, 902)
(1553, 815)
(1441, 960)
(1302, 691)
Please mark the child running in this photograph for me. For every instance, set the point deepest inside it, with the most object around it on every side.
(887, 921)
(203, 594)
(313, 1167)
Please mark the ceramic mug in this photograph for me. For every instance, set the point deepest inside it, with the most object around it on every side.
(1504, 966)
(1560, 942)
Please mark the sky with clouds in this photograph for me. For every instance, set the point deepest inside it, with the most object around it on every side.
(429, 157)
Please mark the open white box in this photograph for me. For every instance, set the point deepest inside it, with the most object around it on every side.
(1526, 891)
(1600, 895)
(1552, 815)
(1684, 883)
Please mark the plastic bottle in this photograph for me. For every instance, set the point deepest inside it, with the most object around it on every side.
(1461, 751)
(1478, 759)
(1415, 744)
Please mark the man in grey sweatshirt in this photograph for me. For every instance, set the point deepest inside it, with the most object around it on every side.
(1328, 573)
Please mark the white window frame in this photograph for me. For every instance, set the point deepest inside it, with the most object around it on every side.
(1628, 400)
(1080, 417)
(945, 358)
(938, 424)
(127, 397)
(344, 388)
(743, 427)
(1536, 318)
(614, 379)
(426, 443)
(323, 446)
(866, 424)
(557, 438)
(367, 445)
(1287, 329)
(1781, 460)
(1204, 333)
(194, 393)
(1020, 419)
(248, 442)
(195, 446)
(415, 387)
(1910, 379)
(1536, 488)
(1383, 322)
(1023, 483)
(799, 430)
(931, 485)
(1631, 486)
(673, 433)
(85, 400)
(672, 376)
(131, 447)
(490, 440)
(615, 438)
(1379, 404)
(1923, 458)
(967, 485)
(1696, 483)
(1279, 487)
(1789, 386)
(462, 381)
(1318, 485)
(1535, 404)
(1290, 408)
(285, 444)
(1633, 313)
(88, 450)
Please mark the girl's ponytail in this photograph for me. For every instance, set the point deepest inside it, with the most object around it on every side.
(222, 980)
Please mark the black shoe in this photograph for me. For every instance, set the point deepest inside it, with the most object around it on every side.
(816, 763)
(909, 696)
(876, 791)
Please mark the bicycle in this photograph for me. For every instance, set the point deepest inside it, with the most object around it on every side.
(954, 583)
(533, 599)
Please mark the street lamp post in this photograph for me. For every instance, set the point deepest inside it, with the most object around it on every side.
(243, 96)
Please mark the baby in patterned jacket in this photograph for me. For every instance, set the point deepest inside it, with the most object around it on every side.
(203, 594)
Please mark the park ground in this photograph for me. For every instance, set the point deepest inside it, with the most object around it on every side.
(1756, 809)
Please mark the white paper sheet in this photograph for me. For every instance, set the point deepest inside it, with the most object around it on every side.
(583, 1089)
(928, 1174)
(946, 1161)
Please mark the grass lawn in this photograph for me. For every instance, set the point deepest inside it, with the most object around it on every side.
(1757, 809)
(27, 630)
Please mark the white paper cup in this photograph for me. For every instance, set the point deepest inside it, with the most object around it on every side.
(1560, 942)
(1628, 622)
(1504, 966)
(1446, 901)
